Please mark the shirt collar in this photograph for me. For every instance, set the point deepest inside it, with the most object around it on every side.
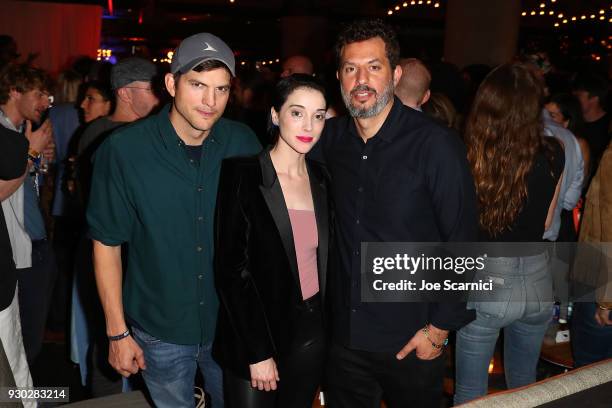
(6, 122)
(169, 135)
(388, 130)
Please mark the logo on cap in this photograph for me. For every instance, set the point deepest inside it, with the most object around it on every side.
(209, 48)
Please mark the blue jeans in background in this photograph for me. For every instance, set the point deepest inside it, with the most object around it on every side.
(520, 303)
(171, 369)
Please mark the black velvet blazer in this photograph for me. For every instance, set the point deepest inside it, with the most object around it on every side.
(256, 271)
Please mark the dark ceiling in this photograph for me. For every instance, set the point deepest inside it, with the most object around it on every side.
(253, 27)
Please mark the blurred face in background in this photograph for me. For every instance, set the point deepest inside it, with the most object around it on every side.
(556, 115)
(143, 98)
(94, 105)
(587, 103)
(31, 104)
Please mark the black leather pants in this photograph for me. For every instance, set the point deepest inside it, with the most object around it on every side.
(300, 371)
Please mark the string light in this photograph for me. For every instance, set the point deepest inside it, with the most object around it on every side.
(543, 5)
(405, 4)
(541, 10)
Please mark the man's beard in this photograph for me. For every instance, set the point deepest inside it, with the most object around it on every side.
(376, 108)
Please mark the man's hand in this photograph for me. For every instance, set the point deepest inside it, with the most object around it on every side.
(422, 344)
(602, 317)
(49, 151)
(264, 375)
(42, 138)
(126, 356)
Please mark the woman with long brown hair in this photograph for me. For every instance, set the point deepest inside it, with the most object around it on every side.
(517, 172)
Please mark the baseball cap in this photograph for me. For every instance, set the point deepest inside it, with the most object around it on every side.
(199, 48)
(130, 70)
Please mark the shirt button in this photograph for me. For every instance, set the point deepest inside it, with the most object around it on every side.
(364, 157)
(199, 248)
(200, 189)
(360, 189)
(353, 310)
(200, 276)
(357, 252)
(202, 303)
(200, 218)
(357, 221)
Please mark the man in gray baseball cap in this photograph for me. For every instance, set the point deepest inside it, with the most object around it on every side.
(132, 83)
(199, 48)
(154, 187)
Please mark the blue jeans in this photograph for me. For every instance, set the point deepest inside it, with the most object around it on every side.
(590, 341)
(171, 369)
(521, 304)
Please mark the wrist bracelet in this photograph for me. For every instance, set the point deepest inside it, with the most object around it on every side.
(602, 307)
(434, 345)
(34, 153)
(119, 336)
(34, 159)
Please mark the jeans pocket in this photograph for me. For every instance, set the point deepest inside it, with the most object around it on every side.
(540, 296)
(492, 304)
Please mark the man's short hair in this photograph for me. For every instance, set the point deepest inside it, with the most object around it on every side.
(366, 29)
(415, 80)
(593, 84)
(22, 78)
(205, 66)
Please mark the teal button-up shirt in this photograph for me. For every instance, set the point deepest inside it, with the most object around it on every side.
(146, 193)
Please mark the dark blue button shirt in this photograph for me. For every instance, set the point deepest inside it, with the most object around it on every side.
(409, 183)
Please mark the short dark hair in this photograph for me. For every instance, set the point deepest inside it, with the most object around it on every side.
(593, 84)
(205, 66)
(22, 78)
(102, 87)
(569, 106)
(285, 87)
(363, 30)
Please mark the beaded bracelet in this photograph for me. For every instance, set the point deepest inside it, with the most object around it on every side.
(119, 336)
(434, 345)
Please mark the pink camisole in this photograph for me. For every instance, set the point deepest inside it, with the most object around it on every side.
(306, 240)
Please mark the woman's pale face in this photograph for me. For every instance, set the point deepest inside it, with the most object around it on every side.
(301, 119)
(555, 114)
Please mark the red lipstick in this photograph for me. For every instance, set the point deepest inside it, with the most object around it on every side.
(305, 139)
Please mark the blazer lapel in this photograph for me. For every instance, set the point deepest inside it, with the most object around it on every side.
(273, 195)
(320, 201)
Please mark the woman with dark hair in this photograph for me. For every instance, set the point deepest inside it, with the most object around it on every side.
(517, 172)
(97, 101)
(272, 233)
(565, 110)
